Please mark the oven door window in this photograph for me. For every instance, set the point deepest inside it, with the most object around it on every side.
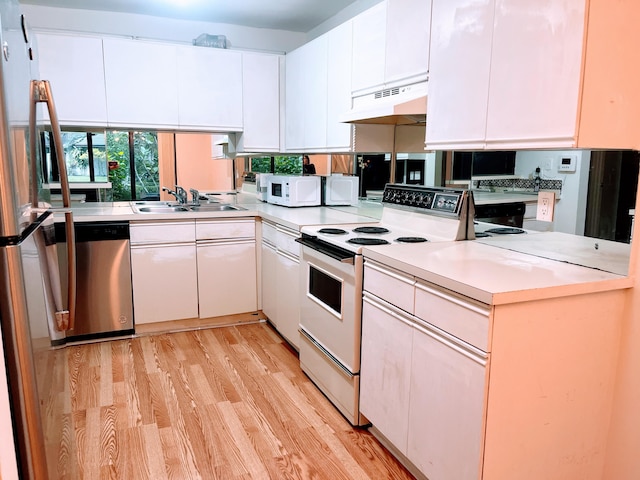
(326, 289)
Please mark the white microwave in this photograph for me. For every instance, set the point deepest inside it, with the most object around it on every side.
(294, 191)
(340, 190)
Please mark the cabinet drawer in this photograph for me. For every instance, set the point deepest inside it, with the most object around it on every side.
(269, 232)
(461, 317)
(217, 229)
(286, 241)
(390, 285)
(146, 233)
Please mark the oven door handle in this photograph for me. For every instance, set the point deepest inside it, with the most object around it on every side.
(337, 253)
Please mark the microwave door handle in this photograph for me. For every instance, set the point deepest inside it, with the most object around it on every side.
(41, 92)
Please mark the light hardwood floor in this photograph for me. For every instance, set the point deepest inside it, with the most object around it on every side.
(221, 403)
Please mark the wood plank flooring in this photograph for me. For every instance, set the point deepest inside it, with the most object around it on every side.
(221, 403)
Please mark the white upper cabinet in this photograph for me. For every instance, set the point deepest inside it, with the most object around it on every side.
(141, 83)
(260, 103)
(391, 45)
(369, 37)
(314, 101)
(507, 74)
(407, 41)
(535, 72)
(209, 88)
(339, 54)
(459, 69)
(73, 65)
(294, 103)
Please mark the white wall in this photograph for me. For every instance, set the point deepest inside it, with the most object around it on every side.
(158, 28)
(571, 209)
(351, 11)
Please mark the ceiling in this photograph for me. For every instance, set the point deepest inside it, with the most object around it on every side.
(291, 15)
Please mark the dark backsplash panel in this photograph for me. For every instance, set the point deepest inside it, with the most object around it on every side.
(518, 183)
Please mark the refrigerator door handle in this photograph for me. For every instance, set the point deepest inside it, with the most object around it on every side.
(65, 318)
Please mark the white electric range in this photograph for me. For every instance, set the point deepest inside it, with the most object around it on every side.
(332, 270)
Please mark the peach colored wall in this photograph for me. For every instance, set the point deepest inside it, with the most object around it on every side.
(622, 460)
(196, 169)
(322, 163)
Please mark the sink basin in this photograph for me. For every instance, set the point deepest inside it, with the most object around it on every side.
(161, 209)
(213, 207)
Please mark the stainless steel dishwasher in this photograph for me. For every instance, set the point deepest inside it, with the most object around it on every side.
(104, 305)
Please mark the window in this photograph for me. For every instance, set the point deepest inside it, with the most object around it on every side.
(133, 165)
(84, 153)
(127, 159)
(282, 165)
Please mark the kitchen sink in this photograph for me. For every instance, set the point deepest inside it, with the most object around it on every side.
(214, 207)
(161, 209)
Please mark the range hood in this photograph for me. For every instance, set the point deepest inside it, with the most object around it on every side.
(405, 105)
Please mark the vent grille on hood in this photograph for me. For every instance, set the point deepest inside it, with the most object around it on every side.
(387, 92)
(406, 105)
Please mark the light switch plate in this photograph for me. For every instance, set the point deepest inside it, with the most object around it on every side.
(546, 202)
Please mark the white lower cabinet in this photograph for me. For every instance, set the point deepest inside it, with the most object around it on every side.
(422, 388)
(281, 280)
(444, 438)
(385, 375)
(288, 272)
(163, 271)
(268, 278)
(227, 270)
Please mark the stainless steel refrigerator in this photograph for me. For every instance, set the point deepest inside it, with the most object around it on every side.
(31, 296)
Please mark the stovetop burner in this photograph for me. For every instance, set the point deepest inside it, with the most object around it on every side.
(482, 235)
(411, 239)
(367, 241)
(371, 230)
(505, 230)
(332, 231)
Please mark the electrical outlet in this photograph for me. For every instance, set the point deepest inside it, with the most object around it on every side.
(546, 202)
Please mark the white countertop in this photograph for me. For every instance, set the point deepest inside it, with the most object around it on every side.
(595, 253)
(493, 275)
(294, 218)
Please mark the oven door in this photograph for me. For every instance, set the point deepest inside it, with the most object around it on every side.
(331, 305)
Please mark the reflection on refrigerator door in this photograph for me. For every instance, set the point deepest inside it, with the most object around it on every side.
(31, 304)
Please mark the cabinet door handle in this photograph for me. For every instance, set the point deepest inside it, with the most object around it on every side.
(452, 299)
(438, 335)
(384, 271)
(287, 255)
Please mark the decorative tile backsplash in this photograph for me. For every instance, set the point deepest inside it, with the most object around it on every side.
(518, 184)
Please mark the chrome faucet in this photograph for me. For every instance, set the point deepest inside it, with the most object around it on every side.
(195, 194)
(180, 194)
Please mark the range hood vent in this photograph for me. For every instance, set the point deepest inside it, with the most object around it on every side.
(406, 105)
